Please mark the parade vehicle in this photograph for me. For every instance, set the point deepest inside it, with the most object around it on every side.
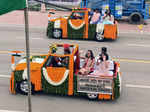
(77, 26)
(58, 73)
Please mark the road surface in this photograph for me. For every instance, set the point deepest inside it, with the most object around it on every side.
(131, 50)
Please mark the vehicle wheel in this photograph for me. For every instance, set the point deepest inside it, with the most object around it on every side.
(92, 96)
(135, 18)
(57, 33)
(22, 87)
(99, 37)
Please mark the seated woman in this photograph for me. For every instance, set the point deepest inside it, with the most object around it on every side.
(108, 18)
(96, 17)
(103, 66)
(89, 63)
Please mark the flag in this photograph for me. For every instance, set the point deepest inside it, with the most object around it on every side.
(11, 5)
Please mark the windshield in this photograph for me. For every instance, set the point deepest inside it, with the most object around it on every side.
(77, 15)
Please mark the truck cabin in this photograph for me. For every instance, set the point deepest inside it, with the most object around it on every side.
(59, 59)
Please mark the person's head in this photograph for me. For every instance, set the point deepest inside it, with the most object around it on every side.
(104, 55)
(67, 49)
(53, 48)
(96, 10)
(104, 49)
(108, 12)
(89, 54)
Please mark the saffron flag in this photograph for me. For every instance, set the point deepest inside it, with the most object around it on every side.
(11, 5)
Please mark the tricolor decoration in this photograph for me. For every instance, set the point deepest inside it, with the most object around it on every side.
(76, 26)
(54, 83)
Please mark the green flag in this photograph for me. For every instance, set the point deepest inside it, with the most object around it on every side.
(10, 5)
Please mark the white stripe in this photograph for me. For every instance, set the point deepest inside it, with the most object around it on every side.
(139, 45)
(138, 86)
(9, 111)
(4, 76)
(37, 38)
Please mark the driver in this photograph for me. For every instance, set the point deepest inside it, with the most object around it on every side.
(53, 61)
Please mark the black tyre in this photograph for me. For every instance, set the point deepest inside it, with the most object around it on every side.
(22, 87)
(135, 18)
(99, 37)
(92, 96)
(57, 33)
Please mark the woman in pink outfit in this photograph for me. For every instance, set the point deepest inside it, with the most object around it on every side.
(89, 62)
(95, 18)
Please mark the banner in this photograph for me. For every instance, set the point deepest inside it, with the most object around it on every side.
(10, 5)
(96, 85)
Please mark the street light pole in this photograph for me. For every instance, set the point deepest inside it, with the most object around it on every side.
(28, 57)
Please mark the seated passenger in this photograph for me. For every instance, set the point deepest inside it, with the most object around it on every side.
(67, 49)
(53, 61)
(65, 60)
(108, 18)
(77, 16)
(103, 67)
(95, 18)
(89, 62)
(103, 50)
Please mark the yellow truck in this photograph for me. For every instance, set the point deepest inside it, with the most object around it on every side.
(57, 73)
(74, 27)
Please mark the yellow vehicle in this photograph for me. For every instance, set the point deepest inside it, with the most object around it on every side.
(57, 73)
(77, 26)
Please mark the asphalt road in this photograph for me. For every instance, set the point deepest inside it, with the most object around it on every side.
(131, 50)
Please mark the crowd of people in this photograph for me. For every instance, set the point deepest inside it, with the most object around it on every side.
(102, 65)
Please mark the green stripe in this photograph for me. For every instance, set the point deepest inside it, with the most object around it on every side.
(11, 5)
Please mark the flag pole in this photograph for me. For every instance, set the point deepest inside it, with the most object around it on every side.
(28, 55)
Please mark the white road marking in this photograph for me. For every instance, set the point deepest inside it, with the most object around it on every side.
(38, 38)
(4, 76)
(22, 38)
(139, 45)
(137, 86)
(9, 111)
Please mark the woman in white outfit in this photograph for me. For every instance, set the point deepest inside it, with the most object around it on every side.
(103, 66)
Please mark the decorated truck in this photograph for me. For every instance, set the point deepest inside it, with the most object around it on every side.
(74, 27)
(57, 73)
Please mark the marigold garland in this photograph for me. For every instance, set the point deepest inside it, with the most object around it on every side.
(76, 27)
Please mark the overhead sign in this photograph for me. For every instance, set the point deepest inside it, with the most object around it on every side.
(96, 85)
